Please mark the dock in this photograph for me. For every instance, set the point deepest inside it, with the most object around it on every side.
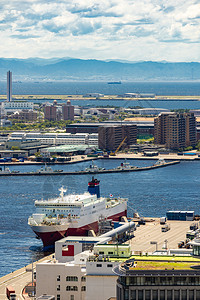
(131, 169)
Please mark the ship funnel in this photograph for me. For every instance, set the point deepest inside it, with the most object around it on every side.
(93, 187)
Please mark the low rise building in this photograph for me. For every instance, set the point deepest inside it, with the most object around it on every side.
(24, 115)
(78, 272)
(12, 106)
(57, 138)
(158, 279)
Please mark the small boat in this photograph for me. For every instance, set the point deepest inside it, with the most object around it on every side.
(160, 162)
(125, 166)
(6, 170)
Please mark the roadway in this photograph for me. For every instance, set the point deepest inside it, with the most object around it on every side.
(18, 280)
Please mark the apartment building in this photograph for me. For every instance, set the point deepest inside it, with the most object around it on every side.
(50, 112)
(175, 130)
(111, 136)
(68, 111)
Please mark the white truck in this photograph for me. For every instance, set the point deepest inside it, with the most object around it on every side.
(163, 220)
(165, 228)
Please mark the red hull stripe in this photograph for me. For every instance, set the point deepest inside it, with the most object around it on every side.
(49, 238)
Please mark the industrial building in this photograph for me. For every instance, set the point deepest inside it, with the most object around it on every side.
(111, 136)
(144, 127)
(56, 138)
(175, 130)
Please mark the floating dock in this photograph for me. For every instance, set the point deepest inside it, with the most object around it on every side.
(132, 169)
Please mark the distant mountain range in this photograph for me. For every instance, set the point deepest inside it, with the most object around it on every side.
(66, 69)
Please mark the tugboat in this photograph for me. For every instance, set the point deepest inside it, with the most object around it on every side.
(74, 214)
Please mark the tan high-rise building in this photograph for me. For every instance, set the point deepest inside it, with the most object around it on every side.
(50, 112)
(68, 111)
(110, 136)
(175, 130)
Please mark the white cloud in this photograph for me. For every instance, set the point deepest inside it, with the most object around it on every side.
(132, 30)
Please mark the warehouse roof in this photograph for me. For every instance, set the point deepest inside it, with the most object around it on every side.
(69, 148)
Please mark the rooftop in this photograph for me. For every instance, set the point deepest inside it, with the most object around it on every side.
(68, 148)
(161, 263)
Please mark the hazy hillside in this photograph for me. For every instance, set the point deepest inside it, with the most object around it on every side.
(77, 69)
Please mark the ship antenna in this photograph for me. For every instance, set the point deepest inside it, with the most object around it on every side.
(62, 190)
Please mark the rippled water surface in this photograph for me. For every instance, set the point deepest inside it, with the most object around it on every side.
(150, 193)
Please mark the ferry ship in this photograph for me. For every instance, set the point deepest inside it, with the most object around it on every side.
(74, 214)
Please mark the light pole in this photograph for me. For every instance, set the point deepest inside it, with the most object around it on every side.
(154, 243)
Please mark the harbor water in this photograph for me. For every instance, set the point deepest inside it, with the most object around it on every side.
(150, 193)
(82, 88)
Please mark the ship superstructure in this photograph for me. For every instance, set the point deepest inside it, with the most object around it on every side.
(74, 214)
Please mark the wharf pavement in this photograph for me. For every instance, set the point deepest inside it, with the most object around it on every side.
(18, 279)
(152, 232)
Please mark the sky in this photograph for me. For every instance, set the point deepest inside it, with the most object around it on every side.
(131, 30)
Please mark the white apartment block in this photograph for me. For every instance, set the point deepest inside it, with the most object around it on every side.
(58, 138)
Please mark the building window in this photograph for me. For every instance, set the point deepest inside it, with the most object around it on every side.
(109, 265)
(101, 252)
(72, 297)
(83, 288)
(58, 278)
(58, 287)
(72, 288)
(83, 278)
(99, 265)
(110, 252)
(71, 278)
(58, 297)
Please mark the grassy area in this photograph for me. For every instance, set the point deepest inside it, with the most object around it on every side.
(155, 265)
(168, 258)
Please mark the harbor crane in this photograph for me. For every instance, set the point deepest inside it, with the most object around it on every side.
(118, 148)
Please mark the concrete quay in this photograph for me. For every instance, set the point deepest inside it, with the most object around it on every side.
(18, 279)
(152, 232)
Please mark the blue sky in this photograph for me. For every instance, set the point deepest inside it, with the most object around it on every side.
(130, 30)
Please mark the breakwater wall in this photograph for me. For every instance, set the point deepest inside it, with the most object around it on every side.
(130, 169)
